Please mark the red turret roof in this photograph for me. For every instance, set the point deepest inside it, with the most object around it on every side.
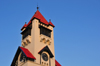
(24, 26)
(50, 23)
(39, 16)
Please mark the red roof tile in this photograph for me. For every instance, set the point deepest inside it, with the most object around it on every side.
(50, 23)
(39, 16)
(57, 64)
(27, 53)
(29, 22)
(25, 25)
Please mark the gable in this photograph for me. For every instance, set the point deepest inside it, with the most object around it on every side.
(47, 50)
(25, 51)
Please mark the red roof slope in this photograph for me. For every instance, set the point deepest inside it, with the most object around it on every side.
(39, 16)
(27, 53)
(57, 64)
(24, 26)
(50, 23)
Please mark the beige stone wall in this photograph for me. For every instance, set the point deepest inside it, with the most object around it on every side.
(31, 63)
(37, 44)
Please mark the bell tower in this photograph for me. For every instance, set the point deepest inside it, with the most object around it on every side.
(37, 45)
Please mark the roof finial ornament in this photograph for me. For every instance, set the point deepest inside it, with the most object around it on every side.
(49, 20)
(25, 22)
(37, 6)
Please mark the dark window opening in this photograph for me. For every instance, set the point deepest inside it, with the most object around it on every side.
(22, 57)
(16, 63)
(26, 32)
(45, 31)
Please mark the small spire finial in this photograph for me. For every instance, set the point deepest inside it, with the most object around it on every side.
(25, 22)
(49, 20)
(37, 6)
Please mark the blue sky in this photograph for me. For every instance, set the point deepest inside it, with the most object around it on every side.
(76, 32)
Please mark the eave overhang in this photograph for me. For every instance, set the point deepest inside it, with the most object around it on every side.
(46, 48)
(26, 52)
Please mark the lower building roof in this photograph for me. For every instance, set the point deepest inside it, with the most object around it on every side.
(25, 51)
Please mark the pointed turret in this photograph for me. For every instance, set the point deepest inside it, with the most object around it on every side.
(50, 23)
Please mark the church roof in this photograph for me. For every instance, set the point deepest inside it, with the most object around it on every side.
(25, 51)
(39, 16)
(57, 63)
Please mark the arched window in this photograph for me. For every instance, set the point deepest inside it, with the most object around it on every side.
(22, 57)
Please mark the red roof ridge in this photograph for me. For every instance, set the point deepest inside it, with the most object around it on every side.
(39, 16)
(25, 25)
(27, 53)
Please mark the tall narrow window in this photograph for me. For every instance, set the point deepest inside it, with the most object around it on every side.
(22, 57)
(26, 32)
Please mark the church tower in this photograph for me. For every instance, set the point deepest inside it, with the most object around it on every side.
(37, 45)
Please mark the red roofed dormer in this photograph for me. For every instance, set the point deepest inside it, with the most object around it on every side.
(26, 52)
